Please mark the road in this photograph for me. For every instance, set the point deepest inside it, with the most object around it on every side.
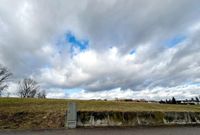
(111, 131)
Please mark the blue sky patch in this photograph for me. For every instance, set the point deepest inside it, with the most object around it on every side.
(193, 83)
(175, 41)
(82, 44)
(74, 90)
(132, 52)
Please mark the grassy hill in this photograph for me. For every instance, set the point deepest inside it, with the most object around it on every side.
(60, 105)
(16, 113)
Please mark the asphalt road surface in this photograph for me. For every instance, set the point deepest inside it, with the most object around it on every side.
(111, 131)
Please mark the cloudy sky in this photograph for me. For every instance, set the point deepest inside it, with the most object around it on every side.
(110, 49)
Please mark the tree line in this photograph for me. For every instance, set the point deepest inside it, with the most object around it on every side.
(27, 88)
(191, 101)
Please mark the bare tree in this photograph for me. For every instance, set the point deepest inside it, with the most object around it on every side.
(28, 88)
(4, 76)
(41, 94)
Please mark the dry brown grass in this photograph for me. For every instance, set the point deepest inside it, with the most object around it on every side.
(60, 105)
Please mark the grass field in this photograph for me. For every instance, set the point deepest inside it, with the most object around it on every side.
(60, 105)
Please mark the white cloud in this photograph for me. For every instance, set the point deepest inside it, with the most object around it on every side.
(30, 32)
(157, 93)
(56, 93)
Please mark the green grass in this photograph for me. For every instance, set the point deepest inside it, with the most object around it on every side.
(60, 105)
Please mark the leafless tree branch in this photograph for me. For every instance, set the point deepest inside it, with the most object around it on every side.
(4, 76)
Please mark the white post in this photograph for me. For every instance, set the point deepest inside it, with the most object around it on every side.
(71, 115)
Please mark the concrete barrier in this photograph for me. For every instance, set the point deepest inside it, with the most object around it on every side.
(100, 119)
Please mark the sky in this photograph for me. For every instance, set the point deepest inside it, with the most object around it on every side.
(103, 49)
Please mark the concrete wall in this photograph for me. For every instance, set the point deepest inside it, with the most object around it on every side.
(45, 120)
(99, 119)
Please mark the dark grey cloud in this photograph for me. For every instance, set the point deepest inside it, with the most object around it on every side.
(128, 24)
